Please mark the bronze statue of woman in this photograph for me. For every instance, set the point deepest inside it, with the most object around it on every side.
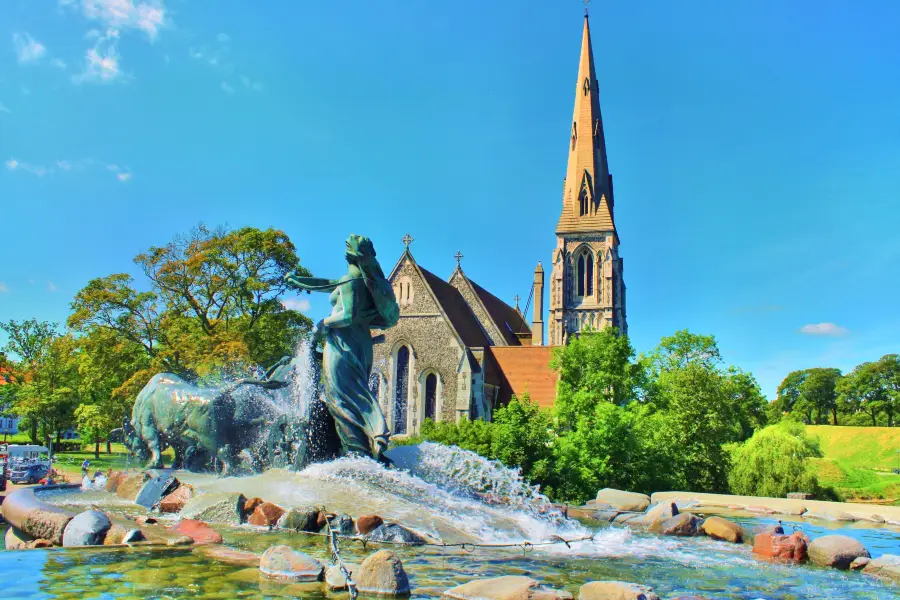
(360, 300)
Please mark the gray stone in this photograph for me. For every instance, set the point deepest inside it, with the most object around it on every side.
(225, 508)
(334, 577)
(859, 563)
(382, 573)
(659, 513)
(391, 532)
(621, 500)
(615, 590)
(886, 566)
(838, 551)
(132, 536)
(87, 529)
(344, 524)
(301, 518)
(509, 587)
(154, 490)
(682, 524)
(283, 562)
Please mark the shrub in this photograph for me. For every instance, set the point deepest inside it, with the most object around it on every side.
(774, 462)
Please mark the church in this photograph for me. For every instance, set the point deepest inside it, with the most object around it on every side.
(458, 351)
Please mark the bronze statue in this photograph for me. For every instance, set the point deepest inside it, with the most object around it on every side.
(361, 299)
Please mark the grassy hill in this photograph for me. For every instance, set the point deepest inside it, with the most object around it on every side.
(858, 462)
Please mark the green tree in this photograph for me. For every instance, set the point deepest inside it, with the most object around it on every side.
(94, 423)
(810, 395)
(521, 436)
(862, 390)
(774, 462)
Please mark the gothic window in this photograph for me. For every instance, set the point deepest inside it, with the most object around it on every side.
(589, 276)
(581, 275)
(401, 390)
(574, 134)
(430, 396)
(587, 86)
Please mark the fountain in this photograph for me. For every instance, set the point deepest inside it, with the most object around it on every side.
(267, 461)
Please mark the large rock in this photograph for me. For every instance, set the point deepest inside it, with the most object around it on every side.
(198, 531)
(382, 573)
(785, 547)
(659, 513)
(225, 508)
(722, 529)
(154, 489)
(130, 486)
(368, 523)
(114, 480)
(229, 556)
(509, 587)
(17, 540)
(174, 501)
(837, 551)
(301, 518)
(682, 524)
(283, 562)
(886, 566)
(615, 590)
(344, 525)
(620, 500)
(121, 534)
(87, 529)
(266, 515)
(391, 532)
(334, 577)
(251, 504)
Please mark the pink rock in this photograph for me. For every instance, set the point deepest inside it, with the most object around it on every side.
(175, 501)
(198, 531)
(784, 547)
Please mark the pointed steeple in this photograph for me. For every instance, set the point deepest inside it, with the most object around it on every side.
(587, 196)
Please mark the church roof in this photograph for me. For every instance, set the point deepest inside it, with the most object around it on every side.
(508, 320)
(457, 310)
(526, 369)
(587, 195)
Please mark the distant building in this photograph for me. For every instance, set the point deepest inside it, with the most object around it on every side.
(9, 425)
(458, 350)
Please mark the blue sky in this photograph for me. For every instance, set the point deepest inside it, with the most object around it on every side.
(755, 147)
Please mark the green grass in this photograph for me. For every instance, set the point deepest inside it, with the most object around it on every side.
(859, 461)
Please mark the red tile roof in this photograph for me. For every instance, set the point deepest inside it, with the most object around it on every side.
(526, 369)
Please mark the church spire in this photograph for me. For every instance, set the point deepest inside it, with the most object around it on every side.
(587, 196)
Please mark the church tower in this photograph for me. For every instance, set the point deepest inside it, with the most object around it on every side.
(586, 287)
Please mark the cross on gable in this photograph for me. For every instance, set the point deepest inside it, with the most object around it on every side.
(458, 256)
(408, 239)
(517, 300)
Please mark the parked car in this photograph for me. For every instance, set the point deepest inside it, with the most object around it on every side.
(2, 476)
(29, 473)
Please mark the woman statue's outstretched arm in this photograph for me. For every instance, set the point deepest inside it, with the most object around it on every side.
(310, 284)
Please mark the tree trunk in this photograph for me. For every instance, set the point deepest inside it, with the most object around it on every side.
(834, 414)
(874, 419)
(108, 446)
(97, 450)
(34, 437)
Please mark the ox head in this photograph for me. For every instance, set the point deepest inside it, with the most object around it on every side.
(133, 442)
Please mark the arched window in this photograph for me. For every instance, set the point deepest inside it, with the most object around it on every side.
(589, 276)
(581, 275)
(430, 396)
(401, 390)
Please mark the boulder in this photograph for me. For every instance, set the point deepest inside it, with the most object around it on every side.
(682, 524)
(828, 514)
(121, 534)
(334, 577)
(229, 556)
(198, 531)
(509, 587)
(859, 563)
(130, 485)
(266, 515)
(344, 524)
(615, 590)
(45, 524)
(367, 523)
(382, 573)
(87, 529)
(630, 519)
(174, 501)
(181, 540)
(17, 540)
(251, 504)
(620, 500)
(659, 513)
(225, 508)
(391, 532)
(301, 518)
(886, 566)
(784, 547)
(837, 551)
(145, 520)
(285, 563)
(155, 488)
(114, 480)
(722, 529)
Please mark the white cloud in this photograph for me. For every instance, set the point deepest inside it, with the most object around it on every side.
(58, 63)
(16, 165)
(147, 16)
(224, 38)
(101, 63)
(299, 304)
(12, 164)
(51, 287)
(3, 109)
(62, 166)
(227, 88)
(123, 177)
(3, 288)
(825, 329)
(27, 48)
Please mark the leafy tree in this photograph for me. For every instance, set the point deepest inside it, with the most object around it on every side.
(862, 390)
(522, 437)
(94, 424)
(774, 462)
(810, 395)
